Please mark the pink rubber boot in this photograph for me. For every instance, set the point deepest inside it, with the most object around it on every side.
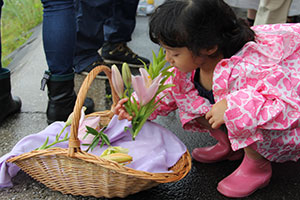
(247, 178)
(221, 151)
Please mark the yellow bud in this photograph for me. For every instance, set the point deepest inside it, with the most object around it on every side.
(69, 120)
(118, 157)
(114, 149)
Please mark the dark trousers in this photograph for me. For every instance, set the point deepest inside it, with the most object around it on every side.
(74, 30)
(99, 21)
(1, 4)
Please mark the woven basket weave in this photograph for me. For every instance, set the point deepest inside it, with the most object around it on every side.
(76, 172)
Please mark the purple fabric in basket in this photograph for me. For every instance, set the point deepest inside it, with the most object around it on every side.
(155, 149)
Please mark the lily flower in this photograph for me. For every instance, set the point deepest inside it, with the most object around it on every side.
(145, 87)
(126, 74)
(117, 81)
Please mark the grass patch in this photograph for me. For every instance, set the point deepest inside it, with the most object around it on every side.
(18, 18)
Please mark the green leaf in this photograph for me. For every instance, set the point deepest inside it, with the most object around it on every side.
(91, 130)
(105, 139)
(102, 143)
(85, 135)
(163, 87)
(168, 74)
(150, 72)
(161, 54)
(142, 62)
(66, 136)
(167, 68)
(154, 58)
(161, 65)
(146, 68)
(95, 141)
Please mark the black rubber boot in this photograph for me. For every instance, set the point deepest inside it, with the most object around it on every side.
(62, 97)
(8, 103)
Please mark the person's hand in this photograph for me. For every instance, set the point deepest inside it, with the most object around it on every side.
(216, 115)
(120, 110)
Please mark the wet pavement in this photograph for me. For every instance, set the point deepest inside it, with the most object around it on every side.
(27, 68)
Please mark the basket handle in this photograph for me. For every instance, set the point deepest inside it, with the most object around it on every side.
(74, 143)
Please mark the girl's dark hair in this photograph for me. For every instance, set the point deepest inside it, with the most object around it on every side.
(199, 24)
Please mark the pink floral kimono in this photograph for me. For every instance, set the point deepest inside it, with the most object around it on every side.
(261, 84)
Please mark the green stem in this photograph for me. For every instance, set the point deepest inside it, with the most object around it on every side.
(55, 142)
(45, 146)
(62, 130)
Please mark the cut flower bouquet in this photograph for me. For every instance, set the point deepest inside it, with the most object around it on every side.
(142, 90)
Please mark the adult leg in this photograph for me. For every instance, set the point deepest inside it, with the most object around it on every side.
(251, 13)
(121, 23)
(90, 17)
(59, 36)
(8, 103)
(118, 29)
(272, 11)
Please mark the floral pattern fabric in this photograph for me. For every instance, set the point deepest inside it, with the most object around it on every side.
(261, 84)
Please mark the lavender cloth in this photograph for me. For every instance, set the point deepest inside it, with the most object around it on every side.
(155, 149)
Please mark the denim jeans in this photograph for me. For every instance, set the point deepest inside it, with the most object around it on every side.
(1, 4)
(59, 35)
(74, 30)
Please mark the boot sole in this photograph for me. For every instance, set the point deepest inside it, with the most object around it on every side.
(134, 72)
(12, 112)
(242, 195)
(97, 77)
(121, 62)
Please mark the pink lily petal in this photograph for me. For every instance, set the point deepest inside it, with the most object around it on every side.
(145, 92)
(138, 85)
(150, 93)
(117, 81)
(146, 76)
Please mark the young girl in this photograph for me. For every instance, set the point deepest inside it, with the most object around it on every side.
(240, 84)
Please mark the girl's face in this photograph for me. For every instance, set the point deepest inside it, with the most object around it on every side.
(183, 59)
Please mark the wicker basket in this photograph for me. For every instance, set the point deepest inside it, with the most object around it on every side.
(72, 171)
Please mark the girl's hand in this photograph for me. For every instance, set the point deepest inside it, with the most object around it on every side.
(121, 111)
(216, 115)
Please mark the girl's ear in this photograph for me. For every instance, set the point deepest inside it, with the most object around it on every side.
(209, 51)
(212, 50)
